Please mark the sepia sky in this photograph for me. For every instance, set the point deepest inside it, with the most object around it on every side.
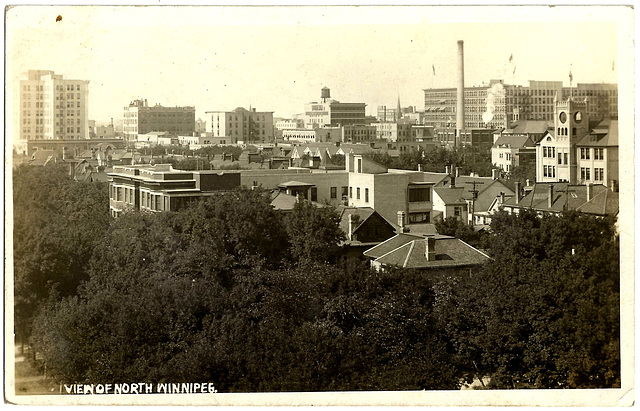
(278, 58)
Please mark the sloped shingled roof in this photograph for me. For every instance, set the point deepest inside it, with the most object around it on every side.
(409, 252)
(605, 134)
(603, 201)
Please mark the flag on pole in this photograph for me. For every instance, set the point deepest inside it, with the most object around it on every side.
(613, 65)
(514, 69)
(570, 76)
(511, 58)
(434, 69)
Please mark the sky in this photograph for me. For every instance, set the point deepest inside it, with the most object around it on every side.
(278, 58)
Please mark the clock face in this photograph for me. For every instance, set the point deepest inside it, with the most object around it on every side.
(578, 116)
(563, 117)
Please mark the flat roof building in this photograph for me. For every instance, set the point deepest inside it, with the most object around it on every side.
(52, 107)
(140, 118)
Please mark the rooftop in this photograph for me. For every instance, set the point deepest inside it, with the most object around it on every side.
(409, 251)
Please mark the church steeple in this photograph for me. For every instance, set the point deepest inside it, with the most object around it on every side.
(398, 110)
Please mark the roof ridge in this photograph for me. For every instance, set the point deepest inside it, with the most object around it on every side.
(406, 260)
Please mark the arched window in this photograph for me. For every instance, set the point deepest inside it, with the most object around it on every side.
(574, 131)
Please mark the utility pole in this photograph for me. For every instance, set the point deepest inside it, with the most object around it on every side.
(474, 196)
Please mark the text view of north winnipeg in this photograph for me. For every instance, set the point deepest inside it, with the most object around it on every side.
(233, 208)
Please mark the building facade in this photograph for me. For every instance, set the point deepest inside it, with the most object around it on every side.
(597, 155)
(161, 188)
(52, 107)
(497, 105)
(509, 152)
(329, 112)
(241, 125)
(556, 155)
(140, 118)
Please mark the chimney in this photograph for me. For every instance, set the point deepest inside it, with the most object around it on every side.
(494, 174)
(446, 169)
(430, 248)
(528, 182)
(401, 221)
(589, 191)
(550, 195)
(460, 94)
(457, 171)
(517, 190)
(419, 167)
(501, 197)
(452, 183)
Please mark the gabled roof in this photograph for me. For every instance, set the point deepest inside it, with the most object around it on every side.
(605, 134)
(514, 142)
(408, 252)
(450, 196)
(531, 126)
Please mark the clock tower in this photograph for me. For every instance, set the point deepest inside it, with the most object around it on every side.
(571, 124)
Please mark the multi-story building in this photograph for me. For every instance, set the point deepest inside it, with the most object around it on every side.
(161, 188)
(390, 192)
(105, 131)
(140, 118)
(394, 131)
(597, 155)
(387, 113)
(510, 151)
(52, 107)
(288, 123)
(329, 112)
(497, 105)
(241, 125)
(359, 133)
(556, 155)
(201, 126)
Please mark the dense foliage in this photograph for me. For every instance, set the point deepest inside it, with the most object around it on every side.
(231, 292)
(468, 159)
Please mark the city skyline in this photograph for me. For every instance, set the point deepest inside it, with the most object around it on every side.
(278, 58)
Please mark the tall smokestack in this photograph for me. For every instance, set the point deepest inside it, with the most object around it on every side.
(460, 97)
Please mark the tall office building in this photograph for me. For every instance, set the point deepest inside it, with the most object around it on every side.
(500, 105)
(140, 118)
(52, 107)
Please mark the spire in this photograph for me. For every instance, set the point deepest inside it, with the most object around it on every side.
(399, 110)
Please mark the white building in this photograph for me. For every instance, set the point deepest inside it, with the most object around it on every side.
(52, 107)
(241, 125)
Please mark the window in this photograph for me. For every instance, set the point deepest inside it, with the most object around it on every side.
(359, 165)
(334, 192)
(588, 173)
(314, 193)
(366, 195)
(350, 192)
(415, 218)
(357, 193)
(559, 158)
(457, 211)
(419, 194)
(566, 158)
(345, 192)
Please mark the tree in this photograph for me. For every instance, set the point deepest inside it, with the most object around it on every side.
(314, 233)
(545, 312)
(57, 223)
(459, 229)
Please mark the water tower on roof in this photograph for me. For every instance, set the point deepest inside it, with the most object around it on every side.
(325, 94)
